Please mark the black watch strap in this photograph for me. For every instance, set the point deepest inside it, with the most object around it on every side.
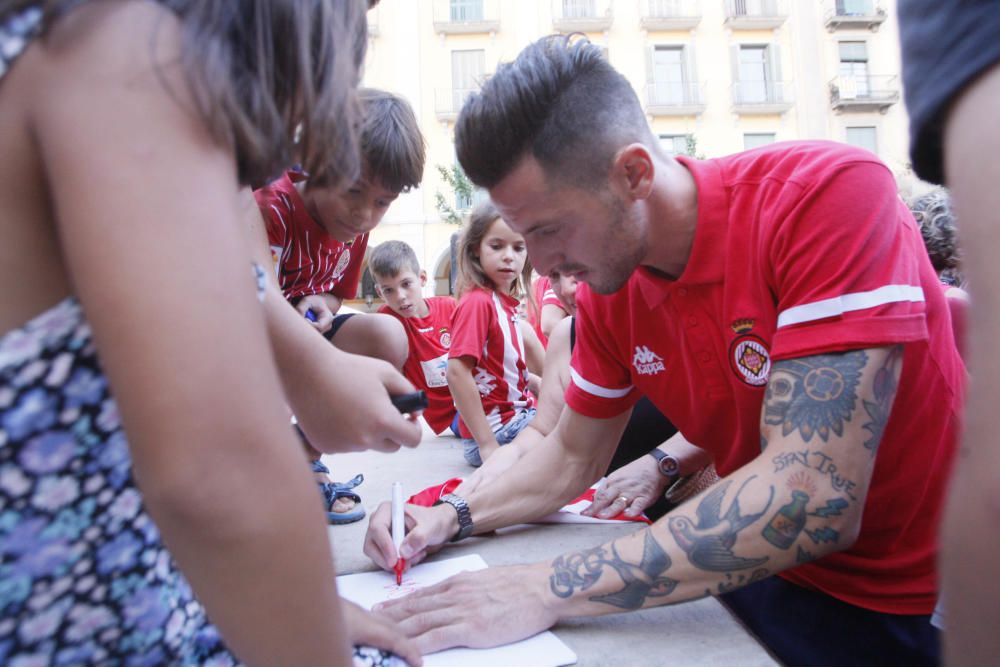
(464, 515)
(668, 464)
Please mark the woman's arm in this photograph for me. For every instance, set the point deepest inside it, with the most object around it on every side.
(145, 203)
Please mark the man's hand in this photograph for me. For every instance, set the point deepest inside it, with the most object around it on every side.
(632, 488)
(476, 609)
(367, 629)
(427, 528)
(321, 309)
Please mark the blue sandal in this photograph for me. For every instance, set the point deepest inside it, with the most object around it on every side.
(332, 491)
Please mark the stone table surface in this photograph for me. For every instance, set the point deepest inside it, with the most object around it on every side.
(702, 632)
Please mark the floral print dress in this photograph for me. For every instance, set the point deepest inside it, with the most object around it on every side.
(84, 575)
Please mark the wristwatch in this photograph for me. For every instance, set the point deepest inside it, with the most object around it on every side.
(668, 464)
(464, 515)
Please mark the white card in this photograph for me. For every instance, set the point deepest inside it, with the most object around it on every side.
(369, 588)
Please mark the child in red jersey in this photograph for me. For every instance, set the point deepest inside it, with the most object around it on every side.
(427, 321)
(318, 235)
(487, 368)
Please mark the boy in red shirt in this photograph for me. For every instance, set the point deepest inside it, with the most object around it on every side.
(427, 321)
(318, 236)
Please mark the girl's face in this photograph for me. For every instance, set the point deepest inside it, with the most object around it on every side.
(502, 254)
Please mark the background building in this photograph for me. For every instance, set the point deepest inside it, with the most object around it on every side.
(714, 76)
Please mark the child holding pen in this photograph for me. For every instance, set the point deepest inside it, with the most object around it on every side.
(487, 369)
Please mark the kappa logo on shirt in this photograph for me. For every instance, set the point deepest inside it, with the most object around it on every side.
(646, 361)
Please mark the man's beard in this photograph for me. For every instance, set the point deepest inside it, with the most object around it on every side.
(618, 268)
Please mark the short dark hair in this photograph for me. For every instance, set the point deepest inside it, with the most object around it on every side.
(391, 144)
(390, 258)
(260, 70)
(562, 102)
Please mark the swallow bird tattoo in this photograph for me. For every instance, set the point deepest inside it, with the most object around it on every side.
(642, 580)
(709, 542)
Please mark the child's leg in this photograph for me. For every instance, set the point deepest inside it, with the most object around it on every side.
(371, 335)
(340, 505)
(471, 452)
(504, 436)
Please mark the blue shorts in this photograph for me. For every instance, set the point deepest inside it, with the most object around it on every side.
(504, 435)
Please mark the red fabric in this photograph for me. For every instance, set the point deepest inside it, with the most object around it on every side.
(427, 363)
(781, 231)
(484, 327)
(307, 260)
(432, 494)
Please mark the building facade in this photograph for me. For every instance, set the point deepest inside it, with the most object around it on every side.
(714, 77)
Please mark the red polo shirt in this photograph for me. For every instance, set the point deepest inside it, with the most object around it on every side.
(800, 249)
(427, 364)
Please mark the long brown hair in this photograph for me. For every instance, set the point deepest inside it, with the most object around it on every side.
(470, 270)
(265, 71)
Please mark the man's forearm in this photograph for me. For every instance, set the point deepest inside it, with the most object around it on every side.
(743, 529)
(542, 480)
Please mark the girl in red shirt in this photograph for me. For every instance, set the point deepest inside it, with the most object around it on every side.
(487, 366)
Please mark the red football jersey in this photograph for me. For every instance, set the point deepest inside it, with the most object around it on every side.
(800, 249)
(484, 327)
(427, 365)
(307, 260)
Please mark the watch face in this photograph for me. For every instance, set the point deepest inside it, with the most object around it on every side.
(669, 466)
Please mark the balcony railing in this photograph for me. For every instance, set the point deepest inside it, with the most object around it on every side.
(854, 15)
(674, 98)
(466, 16)
(863, 93)
(762, 97)
(581, 15)
(755, 14)
(670, 14)
(448, 101)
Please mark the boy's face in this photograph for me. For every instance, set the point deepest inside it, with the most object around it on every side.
(403, 293)
(349, 213)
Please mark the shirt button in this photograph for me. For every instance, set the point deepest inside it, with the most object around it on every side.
(682, 291)
(692, 321)
(705, 357)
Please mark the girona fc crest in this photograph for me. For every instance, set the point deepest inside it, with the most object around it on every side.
(445, 338)
(750, 360)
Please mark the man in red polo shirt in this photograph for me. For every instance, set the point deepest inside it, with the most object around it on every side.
(779, 308)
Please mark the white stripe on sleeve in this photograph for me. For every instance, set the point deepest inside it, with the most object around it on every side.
(596, 389)
(838, 305)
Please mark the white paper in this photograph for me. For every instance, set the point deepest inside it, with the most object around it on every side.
(369, 588)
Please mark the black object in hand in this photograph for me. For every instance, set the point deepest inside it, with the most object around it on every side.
(411, 402)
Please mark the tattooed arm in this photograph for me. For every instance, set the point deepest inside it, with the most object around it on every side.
(821, 423)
